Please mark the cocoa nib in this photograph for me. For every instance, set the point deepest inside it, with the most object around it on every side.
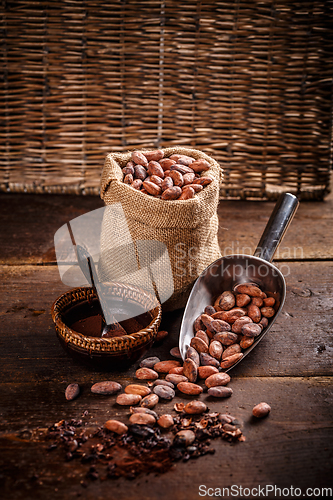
(107, 454)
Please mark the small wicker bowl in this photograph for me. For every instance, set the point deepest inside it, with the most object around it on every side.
(107, 353)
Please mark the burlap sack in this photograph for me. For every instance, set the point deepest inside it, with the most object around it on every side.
(188, 227)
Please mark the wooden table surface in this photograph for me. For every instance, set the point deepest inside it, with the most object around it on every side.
(291, 368)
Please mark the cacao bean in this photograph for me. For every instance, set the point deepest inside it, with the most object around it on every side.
(182, 169)
(231, 360)
(137, 184)
(209, 310)
(218, 325)
(184, 438)
(254, 313)
(165, 421)
(206, 371)
(269, 302)
(257, 301)
(242, 300)
(215, 349)
(199, 345)
(167, 183)
(166, 163)
(128, 399)
(175, 352)
(189, 388)
(203, 336)
(128, 179)
(164, 392)
(149, 362)
(172, 193)
(166, 366)
(251, 330)
(227, 301)
(140, 172)
(156, 180)
(182, 159)
(154, 168)
(152, 188)
(208, 360)
(246, 342)
(146, 374)
(129, 169)
(217, 379)
(141, 409)
(142, 390)
(232, 349)
(116, 426)
(190, 370)
(195, 407)
(139, 158)
(106, 388)
(233, 314)
(203, 181)
(226, 338)
(168, 383)
(251, 290)
(142, 419)
(177, 178)
(268, 312)
(198, 324)
(187, 193)
(220, 392)
(263, 322)
(161, 335)
(177, 371)
(261, 410)
(239, 323)
(72, 392)
(200, 165)
(197, 188)
(188, 178)
(155, 155)
(176, 379)
(193, 354)
(150, 401)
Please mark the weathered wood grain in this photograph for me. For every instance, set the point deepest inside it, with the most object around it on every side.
(28, 224)
(289, 447)
(310, 235)
(291, 368)
(300, 341)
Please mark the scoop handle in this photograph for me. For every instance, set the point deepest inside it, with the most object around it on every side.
(282, 215)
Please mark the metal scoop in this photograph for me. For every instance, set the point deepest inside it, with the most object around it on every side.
(228, 272)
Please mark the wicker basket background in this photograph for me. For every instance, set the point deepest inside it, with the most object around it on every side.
(247, 82)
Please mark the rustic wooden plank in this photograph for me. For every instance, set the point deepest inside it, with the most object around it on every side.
(28, 224)
(300, 342)
(289, 447)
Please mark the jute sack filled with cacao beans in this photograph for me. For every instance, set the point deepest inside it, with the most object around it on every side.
(188, 228)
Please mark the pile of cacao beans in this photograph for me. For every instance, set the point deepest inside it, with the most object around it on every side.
(174, 178)
(230, 326)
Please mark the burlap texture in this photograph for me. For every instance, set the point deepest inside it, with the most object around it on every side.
(187, 227)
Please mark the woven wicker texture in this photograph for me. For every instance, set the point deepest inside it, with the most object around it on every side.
(249, 83)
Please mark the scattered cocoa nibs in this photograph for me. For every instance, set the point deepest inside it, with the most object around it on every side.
(105, 454)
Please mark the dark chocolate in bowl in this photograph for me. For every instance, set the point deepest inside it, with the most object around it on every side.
(78, 321)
